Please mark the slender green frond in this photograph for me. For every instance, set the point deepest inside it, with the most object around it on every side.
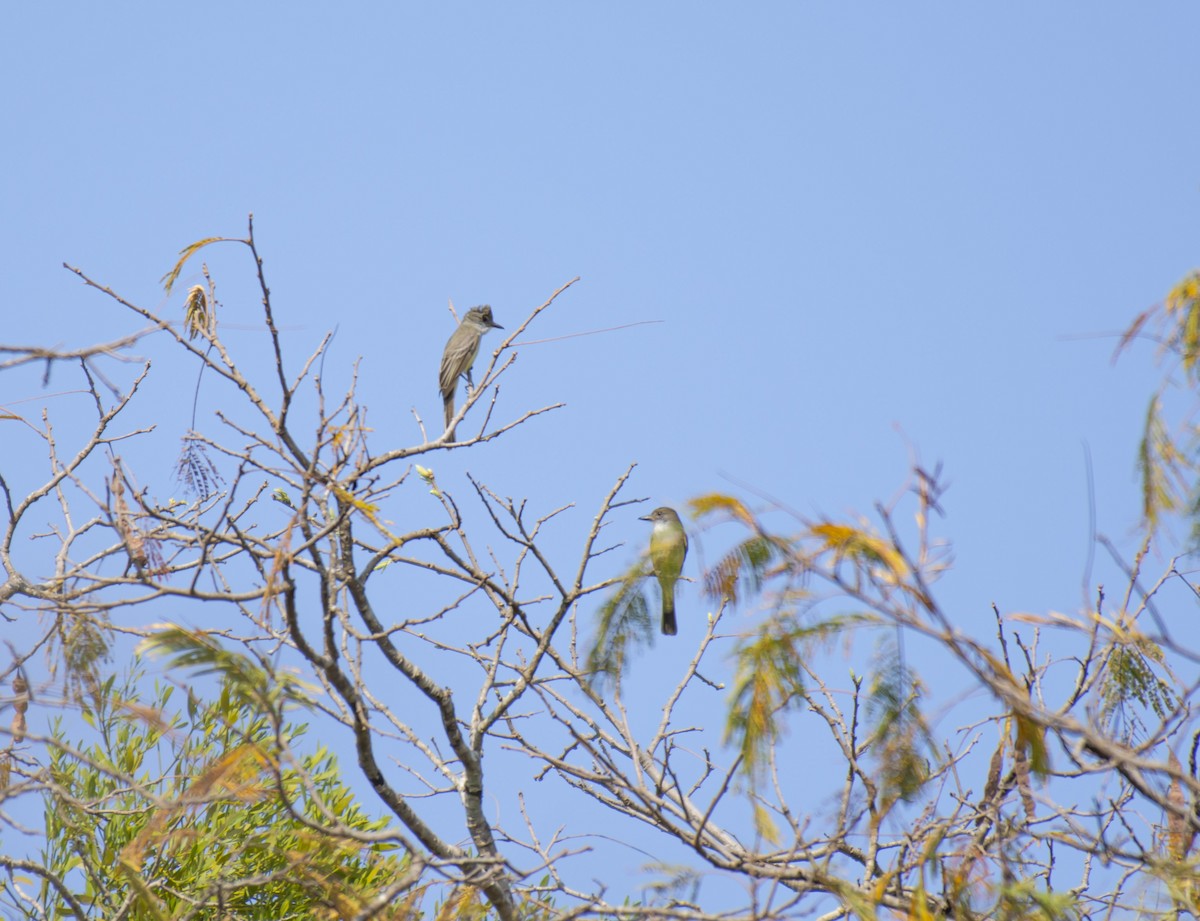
(246, 678)
(741, 572)
(1130, 677)
(623, 625)
(903, 746)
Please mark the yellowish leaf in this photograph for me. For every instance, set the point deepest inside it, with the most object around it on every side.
(764, 824)
(718, 502)
(185, 254)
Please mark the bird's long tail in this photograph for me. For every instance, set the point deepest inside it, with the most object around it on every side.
(668, 610)
(448, 406)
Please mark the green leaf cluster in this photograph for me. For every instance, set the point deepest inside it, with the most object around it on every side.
(903, 743)
(205, 813)
(1129, 675)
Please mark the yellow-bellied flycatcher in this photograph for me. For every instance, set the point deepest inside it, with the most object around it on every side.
(668, 547)
(459, 356)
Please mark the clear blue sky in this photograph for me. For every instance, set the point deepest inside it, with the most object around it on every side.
(849, 219)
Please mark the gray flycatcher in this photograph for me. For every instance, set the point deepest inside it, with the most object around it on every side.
(459, 356)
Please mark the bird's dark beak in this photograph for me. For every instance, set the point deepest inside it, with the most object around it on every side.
(496, 325)
(645, 518)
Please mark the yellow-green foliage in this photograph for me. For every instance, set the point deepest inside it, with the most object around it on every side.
(171, 810)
